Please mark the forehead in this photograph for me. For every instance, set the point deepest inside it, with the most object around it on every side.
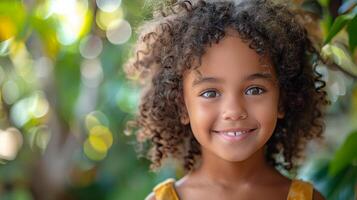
(232, 58)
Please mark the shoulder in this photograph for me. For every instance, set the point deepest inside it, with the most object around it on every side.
(151, 196)
(163, 190)
(186, 184)
(299, 187)
(316, 195)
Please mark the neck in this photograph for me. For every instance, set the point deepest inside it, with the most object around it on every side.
(252, 170)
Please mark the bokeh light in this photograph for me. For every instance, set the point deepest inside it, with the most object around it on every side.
(91, 153)
(39, 137)
(7, 28)
(64, 96)
(11, 91)
(22, 61)
(96, 118)
(127, 98)
(108, 5)
(73, 17)
(45, 9)
(100, 138)
(119, 32)
(10, 143)
(91, 46)
(103, 19)
(92, 72)
(34, 106)
(40, 105)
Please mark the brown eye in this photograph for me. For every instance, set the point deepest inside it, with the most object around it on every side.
(209, 94)
(254, 91)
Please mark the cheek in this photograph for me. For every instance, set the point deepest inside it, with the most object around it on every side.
(266, 112)
(202, 115)
(202, 109)
(268, 118)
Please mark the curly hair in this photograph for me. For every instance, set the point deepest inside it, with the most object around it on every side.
(175, 40)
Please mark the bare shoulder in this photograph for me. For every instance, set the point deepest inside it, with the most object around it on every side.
(151, 196)
(318, 195)
(186, 187)
(182, 182)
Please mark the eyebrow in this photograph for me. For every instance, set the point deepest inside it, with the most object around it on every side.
(259, 75)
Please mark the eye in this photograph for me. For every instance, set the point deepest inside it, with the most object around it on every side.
(254, 91)
(209, 94)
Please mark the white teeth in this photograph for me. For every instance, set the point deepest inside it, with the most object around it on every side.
(230, 133)
(234, 133)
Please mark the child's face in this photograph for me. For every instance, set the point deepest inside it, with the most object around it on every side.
(232, 100)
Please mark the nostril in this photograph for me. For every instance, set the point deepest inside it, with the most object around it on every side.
(235, 116)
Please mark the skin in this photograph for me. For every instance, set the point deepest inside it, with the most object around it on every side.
(241, 92)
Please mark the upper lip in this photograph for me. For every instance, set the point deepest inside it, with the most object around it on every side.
(234, 130)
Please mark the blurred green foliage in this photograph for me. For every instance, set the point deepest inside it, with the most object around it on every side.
(73, 142)
(335, 174)
(64, 99)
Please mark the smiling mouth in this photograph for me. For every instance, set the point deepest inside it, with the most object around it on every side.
(235, 133)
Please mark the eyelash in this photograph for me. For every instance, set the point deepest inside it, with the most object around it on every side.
(255, 87)
(212, 90)
(208, 91)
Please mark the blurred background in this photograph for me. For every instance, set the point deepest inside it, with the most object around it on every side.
(64, 100)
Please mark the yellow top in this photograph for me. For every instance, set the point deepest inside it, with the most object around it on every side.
(299, 190)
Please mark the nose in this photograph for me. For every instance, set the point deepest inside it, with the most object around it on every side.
(234, 109)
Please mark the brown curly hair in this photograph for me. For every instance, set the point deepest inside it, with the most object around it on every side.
(175, 40)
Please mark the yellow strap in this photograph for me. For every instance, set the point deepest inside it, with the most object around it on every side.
(300, 190)
(166, 190)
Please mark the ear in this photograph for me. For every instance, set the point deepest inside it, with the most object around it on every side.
(184, 118)
(281, 111)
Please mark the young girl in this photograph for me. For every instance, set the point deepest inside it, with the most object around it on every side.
(230, 92)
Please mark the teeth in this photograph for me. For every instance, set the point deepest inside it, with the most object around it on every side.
(234, 133)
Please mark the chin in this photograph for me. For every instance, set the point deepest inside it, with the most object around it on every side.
(236, 158)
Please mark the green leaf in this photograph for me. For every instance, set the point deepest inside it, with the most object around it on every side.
(338, 25)
(352, 33)
(344, 187)
(340, 57)
(345, 155)
(324, 2)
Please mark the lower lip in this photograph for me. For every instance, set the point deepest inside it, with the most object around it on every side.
(235, 138)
